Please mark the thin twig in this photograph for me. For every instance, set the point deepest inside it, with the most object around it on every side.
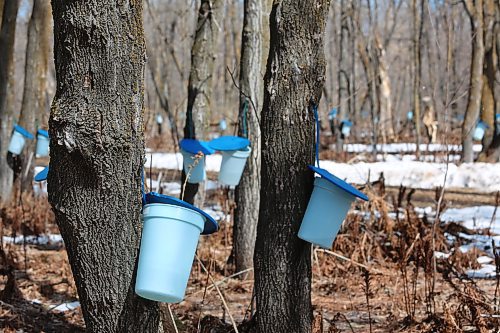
(220, 294)
(172, 318)
(244, 94)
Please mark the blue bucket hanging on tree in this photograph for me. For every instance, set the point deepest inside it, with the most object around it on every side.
(42, 143)
(480, 130)
(235, 151)
(193, 159)
(328, 205)
(170, 235)
(18, 140)
(345, 128)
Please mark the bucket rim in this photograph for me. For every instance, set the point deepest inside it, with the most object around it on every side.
(242, 153)
(339, 182)
(211, 225)
(200, 227)
(229, 142)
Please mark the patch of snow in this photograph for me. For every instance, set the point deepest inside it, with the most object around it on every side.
(485, 272)
(484, 260)
(66, 306)
(474, 218)
(404, 148)
(441, 255)
(483, 176)
(35, 240)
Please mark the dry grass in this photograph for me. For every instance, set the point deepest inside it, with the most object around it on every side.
(388, 283)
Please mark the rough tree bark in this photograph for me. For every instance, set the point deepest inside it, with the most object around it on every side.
(491, 141)
(475, 11)
(200, 82)
(97, 157)
(7, 35)
(248, 191)
(293, 84)
(35, 84)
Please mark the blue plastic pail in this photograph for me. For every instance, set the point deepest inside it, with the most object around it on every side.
(327, 208)
(17, 142)
(479, 131)
(168, 245)
(42, 143)
(232, 166)
(197, 173)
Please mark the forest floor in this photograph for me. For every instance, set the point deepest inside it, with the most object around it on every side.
(380, 275)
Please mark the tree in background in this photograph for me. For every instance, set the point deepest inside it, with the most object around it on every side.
(417, 12)
(293, 85)
(248, 191)
(97, 157)
(491, 139)
(200, 83)
(474, 9)
(35, 84)
(7, 37)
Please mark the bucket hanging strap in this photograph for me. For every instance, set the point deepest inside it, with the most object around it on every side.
(244, 118)
(316, 118)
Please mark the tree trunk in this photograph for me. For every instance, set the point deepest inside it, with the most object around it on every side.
(384, 93)
(475, 12)
(293, 84)
(2, 3)
(7, 37)
(35, 84)
(200, 83)
(343, 70)
(488, 94)
(97, 157)
(248, 191)
(417, 70)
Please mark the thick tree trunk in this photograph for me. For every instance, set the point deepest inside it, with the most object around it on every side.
(35, 84)
(248, 191)
(293, 84)
(475, 12)
(200, 82)
(7, 36)
(97, 157)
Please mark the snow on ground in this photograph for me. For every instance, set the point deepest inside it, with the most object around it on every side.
(479, 218)
(61, 307)
(481, 176)
(474, 218)
(404, 148)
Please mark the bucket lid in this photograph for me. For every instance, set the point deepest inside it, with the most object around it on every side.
(194, 146)
(482, 125)
(211, 225)
(347, 123)
(23, 132)
(42, 175)
(229, 142)
(43, 132)
(339, 182)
